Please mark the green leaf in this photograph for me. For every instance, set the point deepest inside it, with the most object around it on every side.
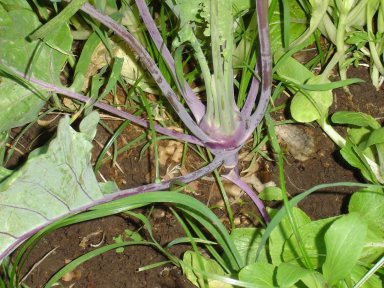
(308, 106)
(374, 138)
(20, 105)
(314, 280)
(327, 85)
(289, 274)
(358, 272)
(271, 193)
(355, 118)
(344, 242)
(58, 20)
(291, 69)
(259, 274)
(283, 232)
(355, 158)
(49, 185)
(15, 4)
(312, 235)
(246, 240)
(370, 205)
(191, 268)
(89, 125)
(298, 24)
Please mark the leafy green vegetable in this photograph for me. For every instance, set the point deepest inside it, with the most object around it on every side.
(191, 267)
(370, 205)
(246, 241)
(344, 242)
(359, 271)
(259, 274)
(52, 183)
(313, 239)
(297, 25)
(355, 118)
(271, 193)
(354, 157)
(289, 274)
(280, 234)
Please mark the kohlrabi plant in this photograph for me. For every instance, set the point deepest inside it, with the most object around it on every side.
(57, 180)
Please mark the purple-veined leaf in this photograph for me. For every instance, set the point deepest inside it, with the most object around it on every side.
(55, 180)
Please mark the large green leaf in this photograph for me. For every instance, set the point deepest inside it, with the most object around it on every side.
(306, 105)
(359, 119)
(358, 272)
(262, 275)
(344, 242)
(44, 61)
(370, 205)
(55, 181)
(246, 240)
(298, 23)
(312, 235)
(282, 233)
(191, 266)
(289, 274)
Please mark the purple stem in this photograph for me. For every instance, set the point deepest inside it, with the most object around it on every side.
(266, 66)
(252, 95)
(114, 196)
(197, 108)
(110, 109)
(150, 65)
(234, 177)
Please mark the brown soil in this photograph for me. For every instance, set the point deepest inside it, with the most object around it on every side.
(114, 269)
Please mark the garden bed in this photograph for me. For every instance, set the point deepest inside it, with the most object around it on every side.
(112, 269)
(236, 153)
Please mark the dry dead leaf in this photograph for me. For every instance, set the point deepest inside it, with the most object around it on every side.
(71, 276)
(172, 150)
(85, 241)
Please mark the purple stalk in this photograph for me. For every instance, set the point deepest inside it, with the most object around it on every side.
(150, 65)
(197, 108)
(234, 177)
(252, 95)
(110, 109)
(114, 196)
(266, 66)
